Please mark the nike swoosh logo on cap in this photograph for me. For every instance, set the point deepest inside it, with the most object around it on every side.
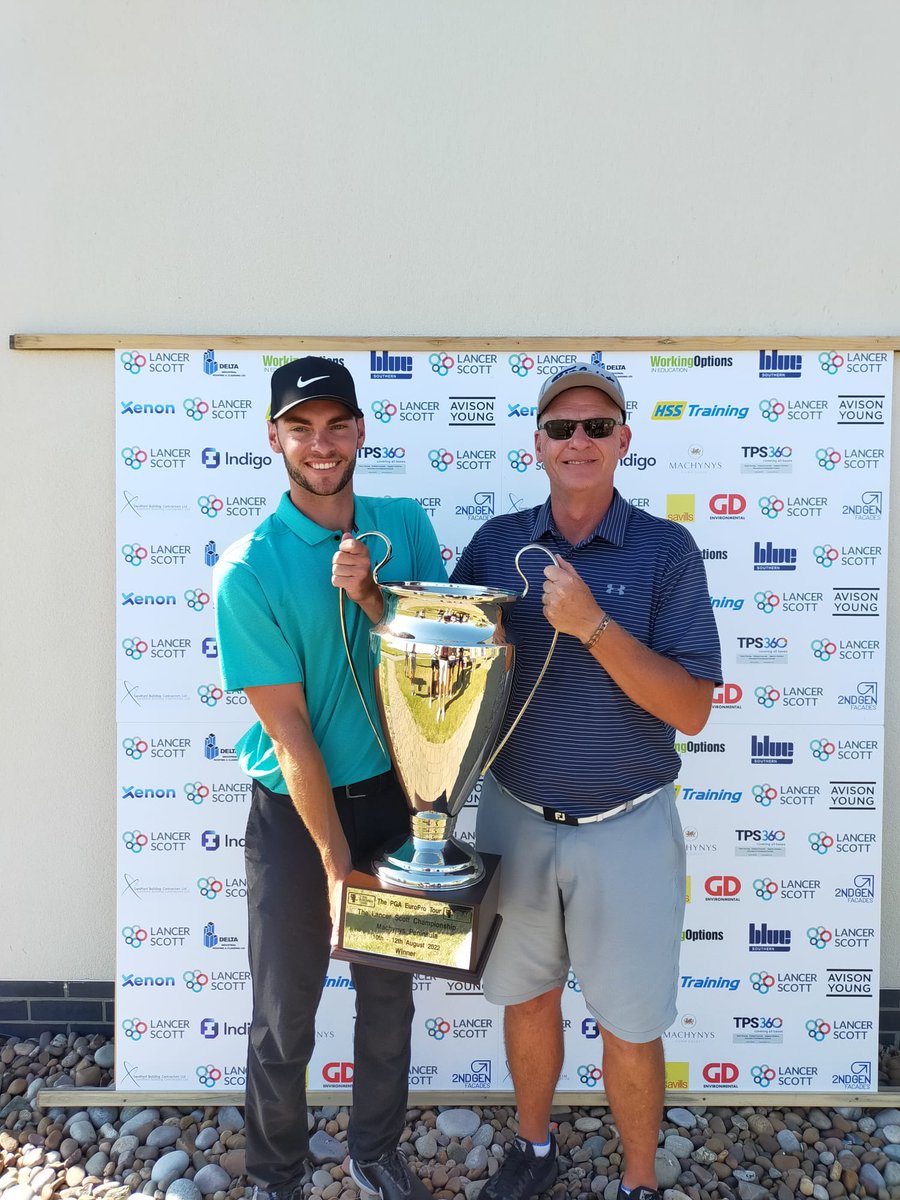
(301, 382)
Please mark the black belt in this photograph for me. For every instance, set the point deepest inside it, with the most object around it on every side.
(365, 787)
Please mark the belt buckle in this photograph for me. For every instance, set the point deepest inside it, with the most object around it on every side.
(349, 793)
(555, 817)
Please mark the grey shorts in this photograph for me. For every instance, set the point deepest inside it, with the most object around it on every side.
(606, 898)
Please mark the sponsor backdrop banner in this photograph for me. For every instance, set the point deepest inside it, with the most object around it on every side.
(777, 460)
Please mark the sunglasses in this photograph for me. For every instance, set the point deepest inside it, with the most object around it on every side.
(560, 430)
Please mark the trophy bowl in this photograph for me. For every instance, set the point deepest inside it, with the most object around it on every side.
(443, 672)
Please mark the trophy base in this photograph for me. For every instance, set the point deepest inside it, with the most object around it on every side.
(422, 864)
(421, 932)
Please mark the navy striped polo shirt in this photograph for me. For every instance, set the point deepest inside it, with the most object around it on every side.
(583, 746)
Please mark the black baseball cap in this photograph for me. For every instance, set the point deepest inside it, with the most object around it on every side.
(311, 378)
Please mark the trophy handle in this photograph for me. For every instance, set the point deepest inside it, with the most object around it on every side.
(389, 550)
(543, 670)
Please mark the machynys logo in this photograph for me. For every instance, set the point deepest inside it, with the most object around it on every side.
(830, 362)
(818, 936)
(134, 554)
(762, 1075)
(440, 459)
(520, 460)
(210, 694)
(825, 555)
(210, 506)
(209, 887)
(383, 410)
(764, 794)
(771, 409)
(589, 1075)
(437, 1028)
(196, 599)
(441, 364)
(134, 936)
(135, 747)
(208, 1075)
(135, 647)
(766, 695)
(520, 364)
(195, 981)
(196, 792)
(134, 457)
(822, 749)
(134, 840)
(134, 1028)
(195, 408)
(771, 506)
(820, 842)
(828, 458)
(133, 362)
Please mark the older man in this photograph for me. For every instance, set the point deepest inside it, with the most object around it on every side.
(580, 803)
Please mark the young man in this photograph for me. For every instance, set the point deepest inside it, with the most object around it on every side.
(580, 803)
(323, 791)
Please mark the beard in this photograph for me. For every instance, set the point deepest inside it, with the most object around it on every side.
(310, 482)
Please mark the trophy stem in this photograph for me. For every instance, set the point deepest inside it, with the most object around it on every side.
(431, 857)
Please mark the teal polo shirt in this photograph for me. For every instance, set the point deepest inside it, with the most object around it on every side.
(278, 621)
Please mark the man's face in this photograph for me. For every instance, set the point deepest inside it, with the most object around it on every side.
(580, 463)
(318, 440)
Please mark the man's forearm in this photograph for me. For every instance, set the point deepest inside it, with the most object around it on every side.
(656, 683)
(310, 791)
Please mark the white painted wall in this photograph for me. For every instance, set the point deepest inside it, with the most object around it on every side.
(350, 167)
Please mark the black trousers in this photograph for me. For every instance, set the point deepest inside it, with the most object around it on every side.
(289, 940)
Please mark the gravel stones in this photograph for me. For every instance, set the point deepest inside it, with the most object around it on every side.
(789, 1142)
(183, 1153)
(163, 1135)
(682, 1117)
(458, 1122)
(183, 1189)
(230, 1118)
(681, 1147)
(668, 1169)
(168, 1168)
(212, 1178)
(206, 1138)
(323, 1148)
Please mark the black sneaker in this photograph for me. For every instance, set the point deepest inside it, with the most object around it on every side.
(388, 1177)
(523, 1174)
(638, 1193)
(287, 1191)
